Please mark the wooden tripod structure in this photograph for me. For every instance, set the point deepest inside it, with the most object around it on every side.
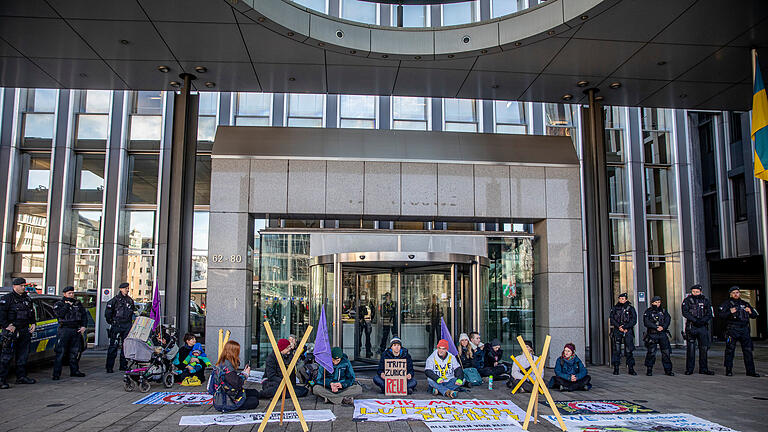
(286, 382)
(538, 371)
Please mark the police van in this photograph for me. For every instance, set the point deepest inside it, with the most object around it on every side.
(45, 335)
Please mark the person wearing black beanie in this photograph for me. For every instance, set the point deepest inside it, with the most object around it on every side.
(656, 320)
(623, 318)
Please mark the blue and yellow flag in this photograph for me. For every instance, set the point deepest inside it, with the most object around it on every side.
(760, 124)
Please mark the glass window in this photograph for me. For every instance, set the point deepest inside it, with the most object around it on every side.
(510, 117)
(739, 198)
(38, 127)
(35, 177)
(506, 7)
(147, 103)
(413, 16)
(362, 11)
(253, 109)
(89, 178)
(460, 115)
(92, 127)
(199, 279)
(306, 110)
(460, 13)
(42, 100)
(138, 260)
(318, 5)
(410, 113)
(660, 198)
(663, 237)
(146, 128)
(206, 119)
(30, 230)
(208, 103)
(95, 101)
(86, 232)
(621, 236)
(657, 119)
(622, 275)
(617, 189)
(142, 178)
(203, 180)
(38, 117)
(357, 111)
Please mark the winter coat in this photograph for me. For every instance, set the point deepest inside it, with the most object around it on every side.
(273, 376)
(389, 355)
(564, 368)
(342, 373)
(492, 356)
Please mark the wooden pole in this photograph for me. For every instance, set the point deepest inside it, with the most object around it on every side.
(539, 371)
(282, 407)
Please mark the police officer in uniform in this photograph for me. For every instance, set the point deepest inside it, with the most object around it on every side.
(698, 313)
(623, 319)
(72, 322)
(737, 313)
(389, 325)
(656, 320)
(17, 320)
(119, 315)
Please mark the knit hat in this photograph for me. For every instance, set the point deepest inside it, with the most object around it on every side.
(395, 340)
(123, 285)
(623, 295)
(495, 342)
(283, 344)
(19, 281)
(68, 289)
(337, 352)
(443, 344)
(528, 343)
(730, 290)
(655, 298)
(463, 336)
(570, 346)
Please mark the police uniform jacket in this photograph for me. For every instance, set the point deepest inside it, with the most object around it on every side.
(740, 318)
(119, 310)
(697, 310)
(70, 313)
(623, 315)
(17, 310)
(656, 317)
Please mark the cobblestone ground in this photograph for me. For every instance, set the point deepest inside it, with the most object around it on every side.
(98, 401)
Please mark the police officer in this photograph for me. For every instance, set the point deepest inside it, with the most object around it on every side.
(623, 319)
(72, 322)
(656, 320)
(736, 313)
(17, 320)
(119, 315)
(698, 313)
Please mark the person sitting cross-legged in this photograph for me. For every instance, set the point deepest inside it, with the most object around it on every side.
(273, 375)
(570, 372)
(518, 374)
(396, 351)
(443, 371)
(339, 386)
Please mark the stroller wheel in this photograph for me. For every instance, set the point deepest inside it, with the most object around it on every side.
(129, 385)
(168, 380)
(144, 386)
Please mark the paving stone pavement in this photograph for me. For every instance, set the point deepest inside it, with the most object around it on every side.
(98, 401)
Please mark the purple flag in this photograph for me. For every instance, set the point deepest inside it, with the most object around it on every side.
(155, 312)
(322, 345)
(445, 334)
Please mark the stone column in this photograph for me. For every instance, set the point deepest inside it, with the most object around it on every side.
(230, 253)
(9, 183)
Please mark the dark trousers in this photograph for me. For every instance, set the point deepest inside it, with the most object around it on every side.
(19, 349)
(622, 344)
(364, 329)
(269, 391)
(740, 335)
(658, 341)
(697, 336)
(185, 373)
(557, 382)
(380, 383)
(67, 345)
(435, 333)
(495, 371)
(117, 334)
(251, 400)
(385, 331)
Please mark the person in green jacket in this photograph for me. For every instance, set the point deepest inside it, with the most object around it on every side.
(195, 363)
(339, 386)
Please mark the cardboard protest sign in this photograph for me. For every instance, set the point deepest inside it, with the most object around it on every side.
(253, 418)
(508, 425)
(395, 380)
(638, 422)
(601, 407)
(456, 410)
(170, 398)
(141, 328)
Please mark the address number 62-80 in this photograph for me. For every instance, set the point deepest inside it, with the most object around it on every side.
(222, 258)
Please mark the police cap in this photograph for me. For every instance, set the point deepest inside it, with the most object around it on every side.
(733, 288)
(655, 298)
(697, 286)
(68, 289)
(124, 285)
(623, 295)
(19, 281)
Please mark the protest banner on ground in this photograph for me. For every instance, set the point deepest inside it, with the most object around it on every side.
(141, 328)
(170, 398)
(638, 423)
(252, 418)
(455, 410)
(395, 381)
(507, 425)
(600, 407)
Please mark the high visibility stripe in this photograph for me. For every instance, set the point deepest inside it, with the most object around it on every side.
(42, 323)
(41, 346)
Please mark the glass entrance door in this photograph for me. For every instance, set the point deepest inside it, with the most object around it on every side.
(369, 312)
(426, 297)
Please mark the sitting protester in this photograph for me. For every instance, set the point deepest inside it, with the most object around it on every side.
(517, 374)
(227, 385)
(467, 354)
(273, 375)
(184, 350)
(443, 371)
(493, 365)
(194, 366)
(339, 386)
(570, 372)
(394, 352)
(477, 344)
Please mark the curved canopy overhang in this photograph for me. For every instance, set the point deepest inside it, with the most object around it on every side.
(657, 53)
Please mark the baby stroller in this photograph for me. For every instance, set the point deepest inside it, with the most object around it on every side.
(149, 363)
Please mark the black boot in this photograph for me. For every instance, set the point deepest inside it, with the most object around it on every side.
(4, 385)
(650, 372)
(77, 374)
(706, 372)
(632, 371)
(753, 374)
(728, 372)
(615, 370)
(689, 372)
(669, 373)
(25, 380)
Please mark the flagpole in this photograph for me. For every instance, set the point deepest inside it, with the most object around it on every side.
(763, 200)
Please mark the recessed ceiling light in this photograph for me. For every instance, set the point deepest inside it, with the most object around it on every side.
(163, 68)
(582, 83)
(125, 41)
(567, 97)
(385, 56)
(599, 98)
(175, 84)
(518, 43)
(584, 17)
(551, 32)
(451, 56)
(260, 19)
(485, 51)
(291, 34)
(353, 51)
(210, 84)
(322, 44)
(614, 85)
(417, 57)
(201, 69)
(661, 63)
(291, 79)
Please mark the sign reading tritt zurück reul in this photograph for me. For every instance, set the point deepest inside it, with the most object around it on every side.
(395, 380)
